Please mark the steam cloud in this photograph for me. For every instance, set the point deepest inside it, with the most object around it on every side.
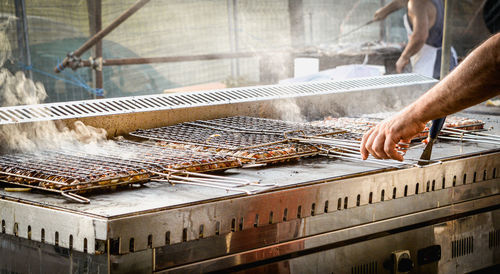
(288, 110)
(16, 89)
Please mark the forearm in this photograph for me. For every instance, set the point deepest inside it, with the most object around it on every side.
(393, 6)
(415, 44)
(473, 81)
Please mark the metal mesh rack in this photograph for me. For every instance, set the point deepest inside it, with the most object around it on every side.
(72, 171)
(159, 158)
(233, 133)
(63, 172)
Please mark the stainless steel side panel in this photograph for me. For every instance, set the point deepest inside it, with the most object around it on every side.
(368, 256)
(44, 224)
(243, 213)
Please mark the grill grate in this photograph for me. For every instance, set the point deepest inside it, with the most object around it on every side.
(66, 171)
(233, 133)
(124, 162)
(159, 158)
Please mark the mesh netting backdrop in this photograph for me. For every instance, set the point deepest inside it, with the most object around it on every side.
(178, 28)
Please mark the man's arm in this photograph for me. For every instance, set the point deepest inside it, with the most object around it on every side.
(393, 6)
(473, 81)
(418, 14)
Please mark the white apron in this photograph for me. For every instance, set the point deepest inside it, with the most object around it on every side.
(423, 62)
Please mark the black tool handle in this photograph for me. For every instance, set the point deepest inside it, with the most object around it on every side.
(436, 127)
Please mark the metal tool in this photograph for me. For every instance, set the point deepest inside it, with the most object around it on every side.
(354, 30)
(445, 69)
(433, 133)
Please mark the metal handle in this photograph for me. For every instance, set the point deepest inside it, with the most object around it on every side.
(436, 127)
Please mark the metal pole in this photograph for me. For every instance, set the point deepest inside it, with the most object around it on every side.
(23, 41)
(297, 29)
(232, 34)
(382, 32)
(99, 78)
(94, 8)
(171, 59)
(101, 34)
(236, 42)
(446, 44)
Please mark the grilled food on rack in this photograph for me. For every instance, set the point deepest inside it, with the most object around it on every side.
(66, 171)
(275, 153)
(250, 139)
(360, 125)
(108, 166)
(174, 157)
(350, 124)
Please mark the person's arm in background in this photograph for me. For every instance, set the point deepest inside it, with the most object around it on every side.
(419, 17)
(391, 7)
(476, 79)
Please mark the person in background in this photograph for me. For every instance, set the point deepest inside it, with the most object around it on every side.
(424, 26)
(476, 79)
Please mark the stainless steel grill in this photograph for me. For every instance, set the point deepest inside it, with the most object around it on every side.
(310, 211)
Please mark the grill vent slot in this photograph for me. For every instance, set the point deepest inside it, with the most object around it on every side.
(90, 108)
(494, 239)
(462, 247)
(368, 268)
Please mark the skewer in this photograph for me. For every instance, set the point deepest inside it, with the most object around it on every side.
(478, 132)
(373, 161)
(33, 178)
(211, 180)
(201, 184)
(469, 140)
(474, 134)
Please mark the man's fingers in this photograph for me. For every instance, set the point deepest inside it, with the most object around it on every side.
(390, 149)
(378, 146)
(399, 69)
(370, 142)
(364, 151)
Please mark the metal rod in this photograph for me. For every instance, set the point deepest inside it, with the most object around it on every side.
(99, 80)
(446, 43)
(172, 59)
(75, 197)
(33, 178)
(23, 41)
(457, 130)
(472, 136)
(468, 140)
(101, 34)
(349, 156)
(201, 184)
(382, 31)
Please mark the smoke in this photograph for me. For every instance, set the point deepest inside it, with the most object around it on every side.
(288, 110)
(16, 89)
(5, 49)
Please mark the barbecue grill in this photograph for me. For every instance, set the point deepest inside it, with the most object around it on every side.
(314, 214)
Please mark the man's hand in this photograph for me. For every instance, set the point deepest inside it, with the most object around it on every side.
(380, 14)
(402, 63)
(381, 140)
(391, 7)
